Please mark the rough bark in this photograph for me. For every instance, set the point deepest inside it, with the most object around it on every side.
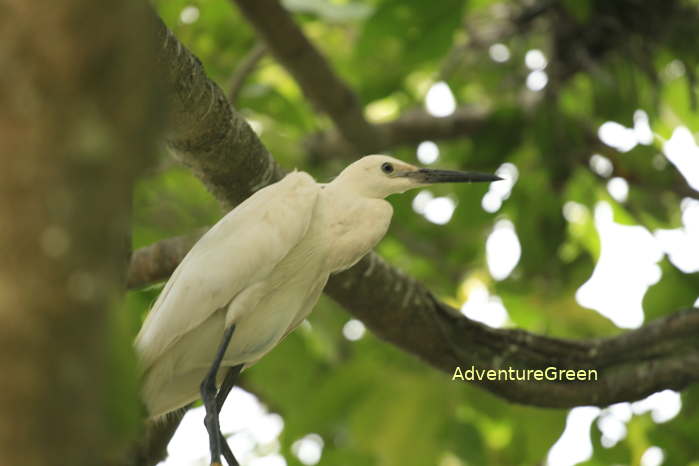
(205, 133)
(76, 121)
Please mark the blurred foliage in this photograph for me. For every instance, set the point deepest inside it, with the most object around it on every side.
(371, 403)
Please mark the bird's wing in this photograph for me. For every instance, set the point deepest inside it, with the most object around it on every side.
(308, 306)
(240, 250)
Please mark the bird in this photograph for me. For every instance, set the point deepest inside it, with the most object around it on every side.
(256, 275)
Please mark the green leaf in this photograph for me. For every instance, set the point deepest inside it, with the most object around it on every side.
(580, 9)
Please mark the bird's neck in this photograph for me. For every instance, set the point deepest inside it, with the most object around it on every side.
(350, 185)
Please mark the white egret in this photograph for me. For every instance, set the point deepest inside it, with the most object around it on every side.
(256, 274)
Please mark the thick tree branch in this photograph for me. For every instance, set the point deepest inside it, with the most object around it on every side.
(311, 71)
(663, 354)
(205, 134)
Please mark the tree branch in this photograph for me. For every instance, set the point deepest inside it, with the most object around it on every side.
(156, 262)
(205, 134)
(152, 448)
(411, 127)
(311, 71)
(663, 354)
(247, 65)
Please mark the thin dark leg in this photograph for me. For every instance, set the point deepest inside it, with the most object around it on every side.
(208, 395)
(227, 453)
(226, 387)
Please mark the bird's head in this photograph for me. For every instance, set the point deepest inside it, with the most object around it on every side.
(378, 176)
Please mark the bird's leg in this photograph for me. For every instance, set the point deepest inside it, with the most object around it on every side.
(208, 395)
(226, 387)
(227, 453)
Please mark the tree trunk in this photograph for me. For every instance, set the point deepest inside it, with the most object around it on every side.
(76, 124)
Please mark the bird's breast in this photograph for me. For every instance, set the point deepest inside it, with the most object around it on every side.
(354, 231)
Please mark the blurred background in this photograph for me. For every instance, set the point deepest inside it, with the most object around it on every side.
(586, 108)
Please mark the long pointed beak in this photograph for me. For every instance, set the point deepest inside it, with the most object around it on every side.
(429, 176)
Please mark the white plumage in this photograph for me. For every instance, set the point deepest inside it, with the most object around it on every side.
(262, 267)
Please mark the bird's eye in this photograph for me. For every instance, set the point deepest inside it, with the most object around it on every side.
(387, 167)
